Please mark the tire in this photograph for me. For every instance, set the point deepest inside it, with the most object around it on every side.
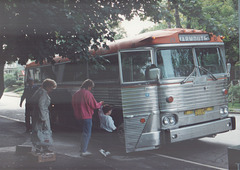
(121, 133)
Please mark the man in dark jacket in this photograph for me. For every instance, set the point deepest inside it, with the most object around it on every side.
(29, 90)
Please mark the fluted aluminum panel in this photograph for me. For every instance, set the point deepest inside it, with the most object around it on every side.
(108, 94)
(192, 96)
(138, 103)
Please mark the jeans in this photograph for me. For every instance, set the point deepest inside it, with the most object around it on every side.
(86, 133)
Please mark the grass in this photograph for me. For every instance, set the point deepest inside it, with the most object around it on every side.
(15, 88)
(231, 106)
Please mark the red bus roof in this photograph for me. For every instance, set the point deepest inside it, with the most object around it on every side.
(58, 59)
(166, 36)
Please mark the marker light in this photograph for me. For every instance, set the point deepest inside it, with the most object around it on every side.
(142, 120)
(225, 91)
(169, 99)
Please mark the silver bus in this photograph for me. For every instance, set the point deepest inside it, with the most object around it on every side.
(166, 86)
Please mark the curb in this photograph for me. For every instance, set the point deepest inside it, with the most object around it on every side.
(10, 94)
(234, 112)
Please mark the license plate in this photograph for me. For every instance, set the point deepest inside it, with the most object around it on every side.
(199, 112)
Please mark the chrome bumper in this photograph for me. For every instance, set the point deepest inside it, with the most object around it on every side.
(200, 130)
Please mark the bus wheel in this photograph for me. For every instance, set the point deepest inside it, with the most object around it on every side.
(120, 132)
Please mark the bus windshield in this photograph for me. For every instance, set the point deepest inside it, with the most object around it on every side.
(175, 62)
(210, 59)
(179, 62)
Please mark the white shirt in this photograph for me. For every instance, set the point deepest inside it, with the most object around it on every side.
(106, 121)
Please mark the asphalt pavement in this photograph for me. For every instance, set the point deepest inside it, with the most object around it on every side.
(66, 147)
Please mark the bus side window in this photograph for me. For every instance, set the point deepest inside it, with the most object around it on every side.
(107, 68)
(75, 72)
(29, 74)
(134, 65)
(47, 72)
(36, 75)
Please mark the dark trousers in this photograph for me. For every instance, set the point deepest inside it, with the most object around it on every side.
(28, 110)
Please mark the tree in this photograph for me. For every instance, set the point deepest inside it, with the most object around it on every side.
(40, 29)
(217, 16)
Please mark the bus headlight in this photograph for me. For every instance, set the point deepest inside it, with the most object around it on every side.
(224, 110)
(172, 120)
(221, 111)
(169, 120)
(165, 120)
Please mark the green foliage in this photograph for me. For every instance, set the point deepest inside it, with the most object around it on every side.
(234, 106)
(9, 80)
(12, 79)
(37, 30)
(234, 94)
(217, 16)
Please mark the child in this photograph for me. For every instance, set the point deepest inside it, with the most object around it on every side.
(106, 121)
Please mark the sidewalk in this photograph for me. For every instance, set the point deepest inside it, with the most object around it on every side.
(11, 94)
(235, 111)
(66, 147)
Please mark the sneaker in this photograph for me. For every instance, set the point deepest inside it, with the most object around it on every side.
(104, 153)
(85, 153)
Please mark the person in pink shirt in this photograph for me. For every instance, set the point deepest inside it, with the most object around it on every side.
(84, 104)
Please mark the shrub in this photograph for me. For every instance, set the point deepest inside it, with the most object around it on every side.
(9, 80)
(234, 94)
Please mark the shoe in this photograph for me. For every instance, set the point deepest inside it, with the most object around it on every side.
(85, 153)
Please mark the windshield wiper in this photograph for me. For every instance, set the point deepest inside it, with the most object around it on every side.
(201, 68)
(207, 71)
(185, 80)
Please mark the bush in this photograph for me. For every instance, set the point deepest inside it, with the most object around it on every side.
(9, 80)
(19, 83)
(234, 94)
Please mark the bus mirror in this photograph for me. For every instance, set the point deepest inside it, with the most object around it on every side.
(154, 73)
(228, 69)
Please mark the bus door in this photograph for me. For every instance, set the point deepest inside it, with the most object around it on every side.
(139, 100)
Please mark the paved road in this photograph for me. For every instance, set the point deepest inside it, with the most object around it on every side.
(206, 153)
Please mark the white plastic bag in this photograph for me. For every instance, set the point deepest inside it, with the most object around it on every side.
(45, 137)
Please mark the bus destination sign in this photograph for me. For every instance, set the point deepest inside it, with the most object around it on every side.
(193, 37)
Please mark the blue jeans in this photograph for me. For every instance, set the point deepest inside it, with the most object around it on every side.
(86, 133)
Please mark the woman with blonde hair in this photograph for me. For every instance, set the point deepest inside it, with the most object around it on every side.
(42, 133)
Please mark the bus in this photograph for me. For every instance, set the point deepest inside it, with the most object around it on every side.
(166, 86)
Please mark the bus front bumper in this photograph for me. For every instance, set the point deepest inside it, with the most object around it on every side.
(201, 130)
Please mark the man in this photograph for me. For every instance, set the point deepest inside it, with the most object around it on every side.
(84, 104)
(29, 90)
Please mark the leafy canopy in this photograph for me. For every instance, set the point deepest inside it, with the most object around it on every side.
(41, 28)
